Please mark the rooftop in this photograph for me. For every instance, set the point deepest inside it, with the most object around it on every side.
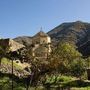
(42, 34)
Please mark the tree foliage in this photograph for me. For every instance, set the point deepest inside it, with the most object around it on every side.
(78, 67)
(63, 56)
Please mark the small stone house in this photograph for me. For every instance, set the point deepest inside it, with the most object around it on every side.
(11, 45)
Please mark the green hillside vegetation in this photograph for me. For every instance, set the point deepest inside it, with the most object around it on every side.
(64, 68)
(6, 75)
(18, 70)
(6, 61)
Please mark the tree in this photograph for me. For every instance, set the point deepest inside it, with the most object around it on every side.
(62, 56)
(88, 62)
(78, 67)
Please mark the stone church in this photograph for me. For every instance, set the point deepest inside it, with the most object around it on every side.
(41, 45)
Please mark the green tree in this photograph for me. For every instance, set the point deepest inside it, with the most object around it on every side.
(67, 51)
(78, 67)
(88, 62)
(63, 55)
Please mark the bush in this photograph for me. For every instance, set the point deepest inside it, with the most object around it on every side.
(78, 67)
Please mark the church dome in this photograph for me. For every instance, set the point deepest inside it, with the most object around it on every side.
(42, 34)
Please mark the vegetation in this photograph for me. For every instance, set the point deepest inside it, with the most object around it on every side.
(68, 58)
(64, 81)
(6, 84)
(64, 68)
(6, 61)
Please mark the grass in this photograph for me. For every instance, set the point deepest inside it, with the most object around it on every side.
(6, 61)
(57, 79)
(81, 88)
(65, 82)
(6, 78)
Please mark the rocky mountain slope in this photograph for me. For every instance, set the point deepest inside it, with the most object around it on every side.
(77, 33)
(25, 40)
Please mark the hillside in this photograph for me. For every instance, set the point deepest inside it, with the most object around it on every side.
(77, 33)
(6, 68)
(25, 40)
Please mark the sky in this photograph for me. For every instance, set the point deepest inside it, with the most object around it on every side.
(26, 17)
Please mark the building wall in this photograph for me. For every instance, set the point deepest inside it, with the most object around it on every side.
(41, 46)
(41, 40)
(9, 44)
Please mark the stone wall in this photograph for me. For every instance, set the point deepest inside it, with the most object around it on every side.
(10, 44)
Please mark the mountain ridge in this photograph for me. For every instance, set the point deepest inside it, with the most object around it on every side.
(77, 32)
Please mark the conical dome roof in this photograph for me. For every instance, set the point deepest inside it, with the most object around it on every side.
(42, 34)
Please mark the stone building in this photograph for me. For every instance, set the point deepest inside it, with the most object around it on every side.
(41, 45)
(11, 45)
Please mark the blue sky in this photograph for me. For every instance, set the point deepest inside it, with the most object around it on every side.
(26, 17)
